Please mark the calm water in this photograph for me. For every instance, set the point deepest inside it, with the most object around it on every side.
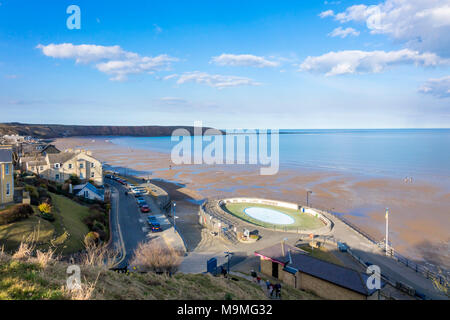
(419, 153)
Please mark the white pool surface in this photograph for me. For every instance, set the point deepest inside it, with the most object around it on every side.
(268, 215)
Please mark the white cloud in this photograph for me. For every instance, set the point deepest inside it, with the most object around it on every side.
(356, 61)
(173, 101)
(437, 87)
(328, 13)
(420, 24)
(343, 33)
(243, 60)
(214, 80)
(112, 60)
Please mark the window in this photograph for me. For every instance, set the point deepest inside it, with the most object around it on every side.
(8, 189)
(57, 177)
(92, 165)
(92, 174)
(70, 166)
(7, 168)
(56, 165)
(41, 168)
(81, 165)
(86, 194)
(81, 176)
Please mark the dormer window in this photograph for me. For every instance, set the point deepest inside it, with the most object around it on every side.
(70, 166)
(56, 165)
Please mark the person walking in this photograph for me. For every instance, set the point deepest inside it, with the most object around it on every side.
(254, 275)
(268, 284)
(278, 290)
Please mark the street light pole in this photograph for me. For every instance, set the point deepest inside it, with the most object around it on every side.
(174, 218)
(307, 197)
(387, 231)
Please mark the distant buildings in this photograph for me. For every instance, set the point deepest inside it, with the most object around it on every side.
(61, 166)
(6, 175)
(298, 269)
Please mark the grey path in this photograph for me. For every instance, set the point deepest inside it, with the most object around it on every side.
(371, 253)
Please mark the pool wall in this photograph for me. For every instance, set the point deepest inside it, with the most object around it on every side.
(328, 225)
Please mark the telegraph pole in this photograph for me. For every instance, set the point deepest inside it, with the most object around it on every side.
(307, 197)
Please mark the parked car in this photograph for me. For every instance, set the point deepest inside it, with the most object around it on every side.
(156, 227)
(141, 203)
(151, 220)
(145, 208)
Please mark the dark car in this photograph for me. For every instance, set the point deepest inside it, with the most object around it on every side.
(156, 227)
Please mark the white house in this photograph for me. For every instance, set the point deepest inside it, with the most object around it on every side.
(89, 191)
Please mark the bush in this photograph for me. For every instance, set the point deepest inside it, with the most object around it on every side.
(16, 213)
(45, 208)
(151, 256)
(74, 180)
(91, 238)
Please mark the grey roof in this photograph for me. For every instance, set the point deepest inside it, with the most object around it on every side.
(60, 157)
(342, 276)
(295, 260)
(275, 252)
(5, 154)
(89, 186)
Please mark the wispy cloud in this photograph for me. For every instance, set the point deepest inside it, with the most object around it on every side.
(343, 33)
(357, 62)
(328, 13)
(421, 25)
(112, 60)
(243, 60)
(439, 88)
(213, 80)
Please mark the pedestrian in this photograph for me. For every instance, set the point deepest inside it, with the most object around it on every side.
(271, 288)
(258, 279)
(267, 284)
(278, 291)
(254, 275)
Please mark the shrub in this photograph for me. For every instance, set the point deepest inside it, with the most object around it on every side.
(16, 213)
(74, 180)
(91, 239)
(152, 256)
(45, 208)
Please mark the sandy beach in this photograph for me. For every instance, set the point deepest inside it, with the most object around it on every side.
(360, 199)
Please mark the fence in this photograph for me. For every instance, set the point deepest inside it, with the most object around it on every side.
(398, 257)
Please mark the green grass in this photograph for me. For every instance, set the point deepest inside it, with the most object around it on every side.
(322, 254)
(303, 221)
(66, 232)
(69, 217)
(26, 279)
(13, 233)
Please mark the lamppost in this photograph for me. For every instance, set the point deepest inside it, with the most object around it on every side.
(173, 215)
(307, 197)
(387, 231)
(228, 255)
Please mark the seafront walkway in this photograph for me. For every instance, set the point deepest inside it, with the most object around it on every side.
(371, 253)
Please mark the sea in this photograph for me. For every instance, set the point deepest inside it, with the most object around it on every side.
(421, 154)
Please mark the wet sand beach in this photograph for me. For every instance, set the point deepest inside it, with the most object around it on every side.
(419, 218)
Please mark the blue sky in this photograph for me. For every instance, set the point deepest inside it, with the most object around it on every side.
(252, 64)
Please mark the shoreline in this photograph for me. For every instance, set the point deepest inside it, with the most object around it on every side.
(360, 199)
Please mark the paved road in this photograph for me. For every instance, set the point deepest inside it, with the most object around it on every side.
(129, 226)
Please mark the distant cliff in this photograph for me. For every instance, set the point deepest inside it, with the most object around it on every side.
(47, 131)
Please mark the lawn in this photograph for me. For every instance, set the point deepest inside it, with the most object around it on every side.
(11, 235)
(69, 217)
(303, 221)
(66, 232)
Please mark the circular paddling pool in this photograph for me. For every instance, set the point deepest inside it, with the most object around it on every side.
(268, 215)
